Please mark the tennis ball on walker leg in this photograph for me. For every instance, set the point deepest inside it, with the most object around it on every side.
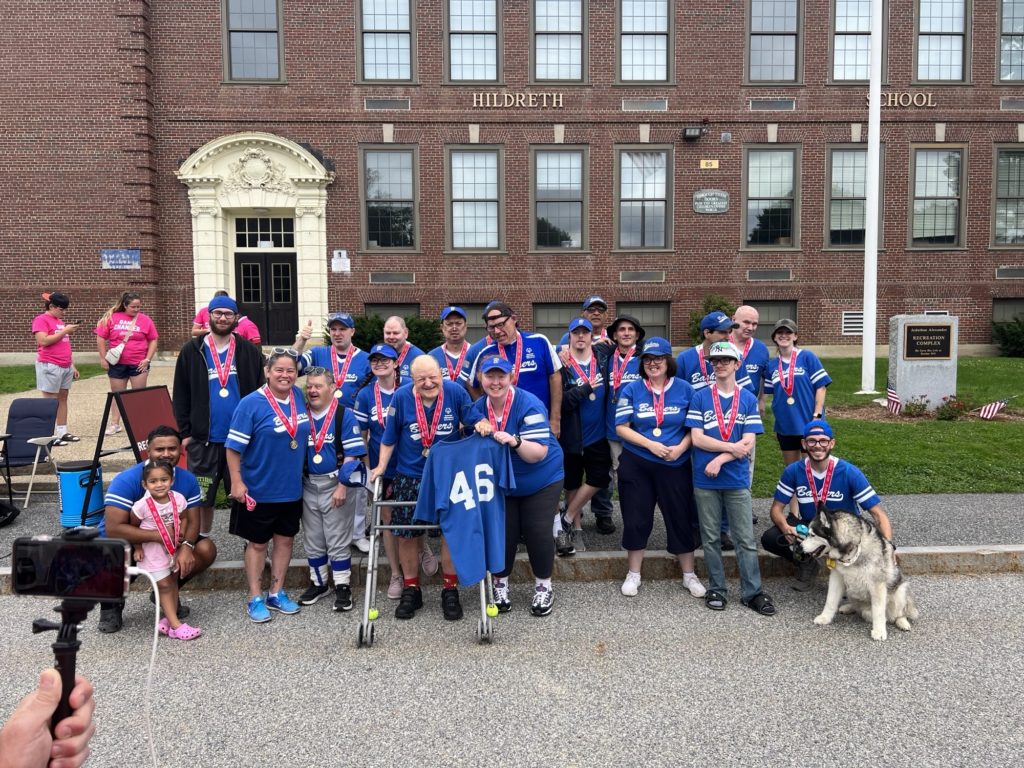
(492, 610)
(374, 613)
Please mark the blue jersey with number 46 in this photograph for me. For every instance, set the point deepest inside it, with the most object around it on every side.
(463, 488)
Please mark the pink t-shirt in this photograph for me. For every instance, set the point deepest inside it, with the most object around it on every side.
(247, 329)
(116, 329)
(154, 555)
(58, 353)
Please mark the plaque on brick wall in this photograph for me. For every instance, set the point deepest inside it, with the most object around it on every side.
(928, 342)
(120, 258)
(710, 201)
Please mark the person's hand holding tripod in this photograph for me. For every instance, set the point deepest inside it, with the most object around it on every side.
(25, 740)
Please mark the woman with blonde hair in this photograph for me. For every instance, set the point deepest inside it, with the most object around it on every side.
(126, 340)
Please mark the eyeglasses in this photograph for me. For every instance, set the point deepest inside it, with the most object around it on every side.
(722, 361)
(498, 321)
(316, 371)
(653, 360)
(380, 360)
(278, 351)
(817, 443)
(222, 314)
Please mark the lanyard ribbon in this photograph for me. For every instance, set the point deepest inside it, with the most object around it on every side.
(427, 436)
(223, 371)
(500, 425)
(320, 435)
(787, 383)
(708, 376)
(291, 425)
(591, 372)
(453, 373)
(161, 527)
(381, 415)
(519, 356)
(725, 429)
(832, 461)
(659, 402)
(340, 376)
(619, 364)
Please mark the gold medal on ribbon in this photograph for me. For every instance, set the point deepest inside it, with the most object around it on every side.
(224, 392)
(293, 444)
(425, 452)
(656, 431)
(790, 401)
(318, 459)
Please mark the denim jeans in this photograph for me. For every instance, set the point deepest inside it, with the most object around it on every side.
(737, 505)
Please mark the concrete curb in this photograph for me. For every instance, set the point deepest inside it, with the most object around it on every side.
(658, 564)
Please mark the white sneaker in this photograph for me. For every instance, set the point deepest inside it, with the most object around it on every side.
(692, 583)
(631, 584)
(112, 428)
(395, 587)
(362, 544)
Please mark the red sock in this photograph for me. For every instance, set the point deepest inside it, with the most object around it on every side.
(413, 582)
(451, 581)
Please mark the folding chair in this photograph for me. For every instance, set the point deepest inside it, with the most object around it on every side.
(31, 422)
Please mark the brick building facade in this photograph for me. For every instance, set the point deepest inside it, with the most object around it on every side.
(241, 143)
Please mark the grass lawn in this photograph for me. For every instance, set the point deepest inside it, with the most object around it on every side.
(20, 378)
(922, 455)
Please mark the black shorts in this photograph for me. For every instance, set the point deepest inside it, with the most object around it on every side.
(208, 462)
(595, 462)
(123, 371)
(790, 442)
(267, 520)
(405, 488)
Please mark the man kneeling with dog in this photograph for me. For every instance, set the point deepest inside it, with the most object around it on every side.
(821, 477)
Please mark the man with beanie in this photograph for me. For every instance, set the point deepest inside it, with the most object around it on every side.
(213, 373)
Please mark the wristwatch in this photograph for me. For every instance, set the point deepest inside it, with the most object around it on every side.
(519, 441)
(817, 415)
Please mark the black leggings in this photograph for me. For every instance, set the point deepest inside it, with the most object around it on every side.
(532, 517)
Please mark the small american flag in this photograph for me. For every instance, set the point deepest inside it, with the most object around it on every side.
(893, 400)
(990, 410)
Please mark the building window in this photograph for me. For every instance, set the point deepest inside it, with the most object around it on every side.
(937, 191)
(476, 328)
(644, 41)
(771, 203)
(253, 39)
(386, 40)
(389, 194)
(653, 316)
(941, 39)
(558, 196)
(475, 194)
(847, 197)
(265, 232)
(769, 313)
(473, 42)
(558, 40)
(1007, 310)
(644, 199)
(553, 319)
(1009, 208)
(774, 26)
(851, 41)
(1011, 41)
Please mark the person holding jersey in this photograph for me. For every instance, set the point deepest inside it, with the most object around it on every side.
(797, 382)
(655, 465)
(265, 454)
(724, 421)
(517, 418)
(428, 412)
(328, 508)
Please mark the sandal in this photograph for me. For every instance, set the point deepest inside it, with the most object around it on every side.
(164, 626)
(760, 603)
(715, 600)
(184, 632)
(72, 438)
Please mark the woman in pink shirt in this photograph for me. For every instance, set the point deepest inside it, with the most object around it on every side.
(125, 322)
(54, 369)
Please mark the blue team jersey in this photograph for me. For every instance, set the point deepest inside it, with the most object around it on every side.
(689, 370)
(754, 368)
(126, 488)
(847, 489)
(369, 422)
(405, 360)
(221, 408)
(271, 468)
(352, 445)
(538, 363)
(592, 412)
(809, 377)
(463, 489)
(632, 373)
(735, 473)
(636, 409)
(403, 430)
(450, 364)
(357, 369)
(529, 419)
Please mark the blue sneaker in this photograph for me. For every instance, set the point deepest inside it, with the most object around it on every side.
(257, 610)
(281, 602)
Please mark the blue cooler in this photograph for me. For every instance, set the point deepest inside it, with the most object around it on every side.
(73, 479)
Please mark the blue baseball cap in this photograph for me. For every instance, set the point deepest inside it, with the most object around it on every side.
(353, 474)
(592, 300)
(656, 347)
(341, 317)
(717, 321)
(581, 322)
(495, 362)
(384, 350)
(818, 427)
(453, 310)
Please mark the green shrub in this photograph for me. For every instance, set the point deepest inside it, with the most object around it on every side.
(952, 408)
(423, 332)
(916, 407)
(712, 302)
(1010, 337)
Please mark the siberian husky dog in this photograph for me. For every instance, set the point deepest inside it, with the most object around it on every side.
(863, 567)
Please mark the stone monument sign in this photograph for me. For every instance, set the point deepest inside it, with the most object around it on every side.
(923, 351)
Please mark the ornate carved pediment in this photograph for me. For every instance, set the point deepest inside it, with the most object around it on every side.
(255, 169)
